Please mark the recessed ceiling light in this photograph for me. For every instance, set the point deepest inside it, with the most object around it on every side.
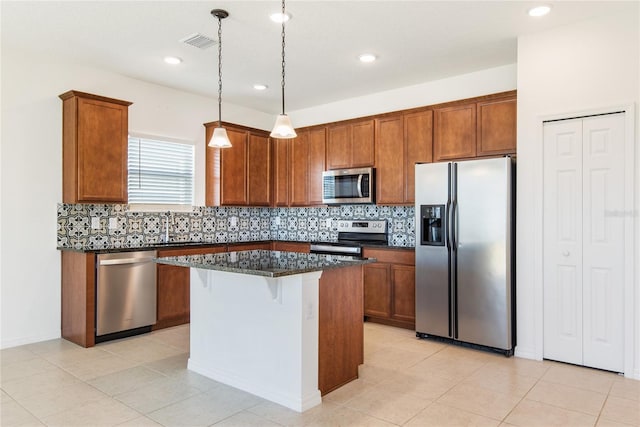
(173, 60)
(367, 57)
(539, 10)
(259, 86)
(279, 18)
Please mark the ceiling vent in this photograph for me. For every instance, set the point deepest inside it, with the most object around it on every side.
(199, 40)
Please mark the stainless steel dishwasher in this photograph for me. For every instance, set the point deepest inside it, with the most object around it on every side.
(126, 293)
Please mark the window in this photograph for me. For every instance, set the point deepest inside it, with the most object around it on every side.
(160, 171)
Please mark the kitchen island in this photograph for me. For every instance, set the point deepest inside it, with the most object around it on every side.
(284, 326)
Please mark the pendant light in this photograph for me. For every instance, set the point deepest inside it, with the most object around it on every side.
(219, 139)
(283, 128)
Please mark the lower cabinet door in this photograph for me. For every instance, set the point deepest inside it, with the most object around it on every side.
(173, 296)
(377, 290)
(403, 302)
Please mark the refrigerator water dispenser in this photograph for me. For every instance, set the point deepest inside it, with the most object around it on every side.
(433, 221)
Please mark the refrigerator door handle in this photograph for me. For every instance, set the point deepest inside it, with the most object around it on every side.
(454, 207)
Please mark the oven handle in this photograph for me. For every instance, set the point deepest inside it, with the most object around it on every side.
(332, 249)
(360, 185)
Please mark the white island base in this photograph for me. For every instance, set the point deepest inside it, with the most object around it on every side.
(258, 334)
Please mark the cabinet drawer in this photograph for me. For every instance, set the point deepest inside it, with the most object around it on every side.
(192, 251)
(392, 256)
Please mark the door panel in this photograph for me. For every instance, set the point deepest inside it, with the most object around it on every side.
(482, 221)
(432, 274)
(562, 213)
(603, 253)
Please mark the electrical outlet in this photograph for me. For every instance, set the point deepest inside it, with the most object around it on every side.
(277, 220)
(113, 223)
(95, 223)
(233, 221)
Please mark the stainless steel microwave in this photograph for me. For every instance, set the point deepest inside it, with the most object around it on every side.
(348, 186)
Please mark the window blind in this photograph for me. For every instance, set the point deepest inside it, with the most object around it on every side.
(160, 172)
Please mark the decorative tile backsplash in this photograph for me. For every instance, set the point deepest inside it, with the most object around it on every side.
(103, 226)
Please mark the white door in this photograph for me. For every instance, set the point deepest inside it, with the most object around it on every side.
(584, 241)
(562, 207)
(603, 241)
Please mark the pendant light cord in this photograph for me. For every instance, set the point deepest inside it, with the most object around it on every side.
(283, 63)
(219, 72)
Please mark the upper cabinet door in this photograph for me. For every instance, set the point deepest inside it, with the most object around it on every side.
(455, 132)
(362, 143)
(95, 148)
(351, 145)
(497, 127)
(259, 170)
(281, 171)
(299, 170)
(390, 171)
(339, 147)
(418, 139)
(317, 162)
(233, 170)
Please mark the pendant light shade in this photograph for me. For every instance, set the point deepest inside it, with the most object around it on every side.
(283, 128)
(219, 139)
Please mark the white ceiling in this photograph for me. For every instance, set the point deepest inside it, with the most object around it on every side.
(416, 41)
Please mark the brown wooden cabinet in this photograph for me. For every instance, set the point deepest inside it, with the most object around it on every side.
(291, 246)
(94, 148)
(317, 164)
(340, 328)
(297, 168)
(484, 126)
(173, 295)
(377, 290)
(389, 287)
(454, 135)
(390, 160)
(239, 175)
(78, 296)
(281, 171)
(248, 246)
(308, 153)
(350, 144)
(418, 143)
(401, 142)
(496, 127)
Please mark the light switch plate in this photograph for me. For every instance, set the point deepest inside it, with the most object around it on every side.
(113, 223)
(233, 221)
(95, 223)
(277, 220)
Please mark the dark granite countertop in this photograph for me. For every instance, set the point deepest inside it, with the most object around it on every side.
(264, 263)
(178, 245)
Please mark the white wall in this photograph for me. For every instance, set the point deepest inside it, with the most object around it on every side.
(31, 174)
(592, 65)
(493, 80)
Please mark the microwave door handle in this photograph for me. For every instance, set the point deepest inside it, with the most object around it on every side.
(360, 186)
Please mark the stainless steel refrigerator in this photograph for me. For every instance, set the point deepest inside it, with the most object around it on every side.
(465, 274)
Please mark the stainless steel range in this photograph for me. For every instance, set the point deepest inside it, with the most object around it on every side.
(352, 235)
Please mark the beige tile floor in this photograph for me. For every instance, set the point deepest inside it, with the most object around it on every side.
(143, 381)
